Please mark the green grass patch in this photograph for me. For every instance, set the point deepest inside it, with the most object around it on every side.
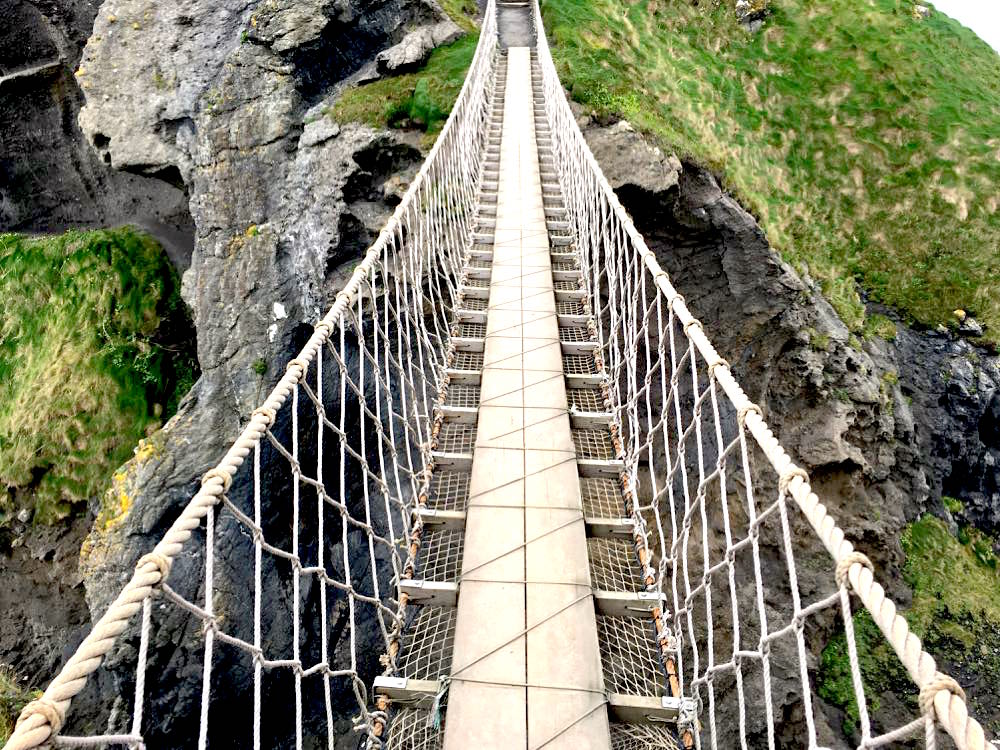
(420, 100)
(14, 696)
(879, 326)
(953, 504)
(94, 349)
(865, 141)
(881, 670)
(955, 610)
(462, 12)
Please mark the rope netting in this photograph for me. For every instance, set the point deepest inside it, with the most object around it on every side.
(310, 511)
(721, 512)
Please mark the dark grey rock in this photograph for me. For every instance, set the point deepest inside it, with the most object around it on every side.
(222, 104)
(43, 614)
(51, 178)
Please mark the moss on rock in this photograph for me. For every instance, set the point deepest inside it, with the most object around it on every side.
(955, 611)
(92, 357)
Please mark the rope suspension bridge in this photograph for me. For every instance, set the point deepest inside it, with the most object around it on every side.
(508, 494)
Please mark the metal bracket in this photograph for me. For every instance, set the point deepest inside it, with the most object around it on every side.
(453, 461)
(610, 527)
(430, 593)
(446, 520)
(413, 693)
(643, 709)
(594, 468)
(628, 603)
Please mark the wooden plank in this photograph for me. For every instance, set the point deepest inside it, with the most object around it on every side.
(509, 633)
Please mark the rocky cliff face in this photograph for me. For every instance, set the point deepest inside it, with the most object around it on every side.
(884, 427)
(206, 119)
(232, 98)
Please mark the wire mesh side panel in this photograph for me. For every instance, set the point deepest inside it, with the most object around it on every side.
(449, 490)
(738, 545)
(613, 565)
(642, 737)
(456, 437)
(630, 659)
(413, 729)
(440, 557)
(602, 497)
(585, 399)
(279, 576)
(428, 642)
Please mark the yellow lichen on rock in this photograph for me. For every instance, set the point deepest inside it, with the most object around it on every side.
(118, 500)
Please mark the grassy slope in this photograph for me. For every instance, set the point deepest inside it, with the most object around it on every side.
(82, 374)
(866, 142)
(955, 610)
(421, 99)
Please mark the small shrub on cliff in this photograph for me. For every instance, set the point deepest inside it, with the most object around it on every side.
(92, 353)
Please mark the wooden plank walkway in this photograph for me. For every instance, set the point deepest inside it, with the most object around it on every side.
(526, 669)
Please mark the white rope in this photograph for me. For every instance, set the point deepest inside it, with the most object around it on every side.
(675, 490)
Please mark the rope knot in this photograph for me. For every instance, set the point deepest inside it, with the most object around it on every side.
(221, 474)
(299, 363)
(845, 564)
(691, 324)
(717, 362)
(741, 415)
(157, 559)
(326, 327)
(269, 414)
(48, 710)
(935, 685)
(788, 475)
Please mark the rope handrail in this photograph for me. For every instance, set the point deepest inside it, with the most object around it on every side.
(940, 696)
(43, 717)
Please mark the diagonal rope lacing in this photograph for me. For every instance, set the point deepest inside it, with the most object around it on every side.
(709, 486)
(364, 386)
(322, 483)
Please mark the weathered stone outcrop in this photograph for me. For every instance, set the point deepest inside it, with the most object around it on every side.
(416, 47)
(41, 600)
(50, 177)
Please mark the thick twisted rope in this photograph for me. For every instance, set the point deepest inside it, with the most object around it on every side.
(940, 695)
